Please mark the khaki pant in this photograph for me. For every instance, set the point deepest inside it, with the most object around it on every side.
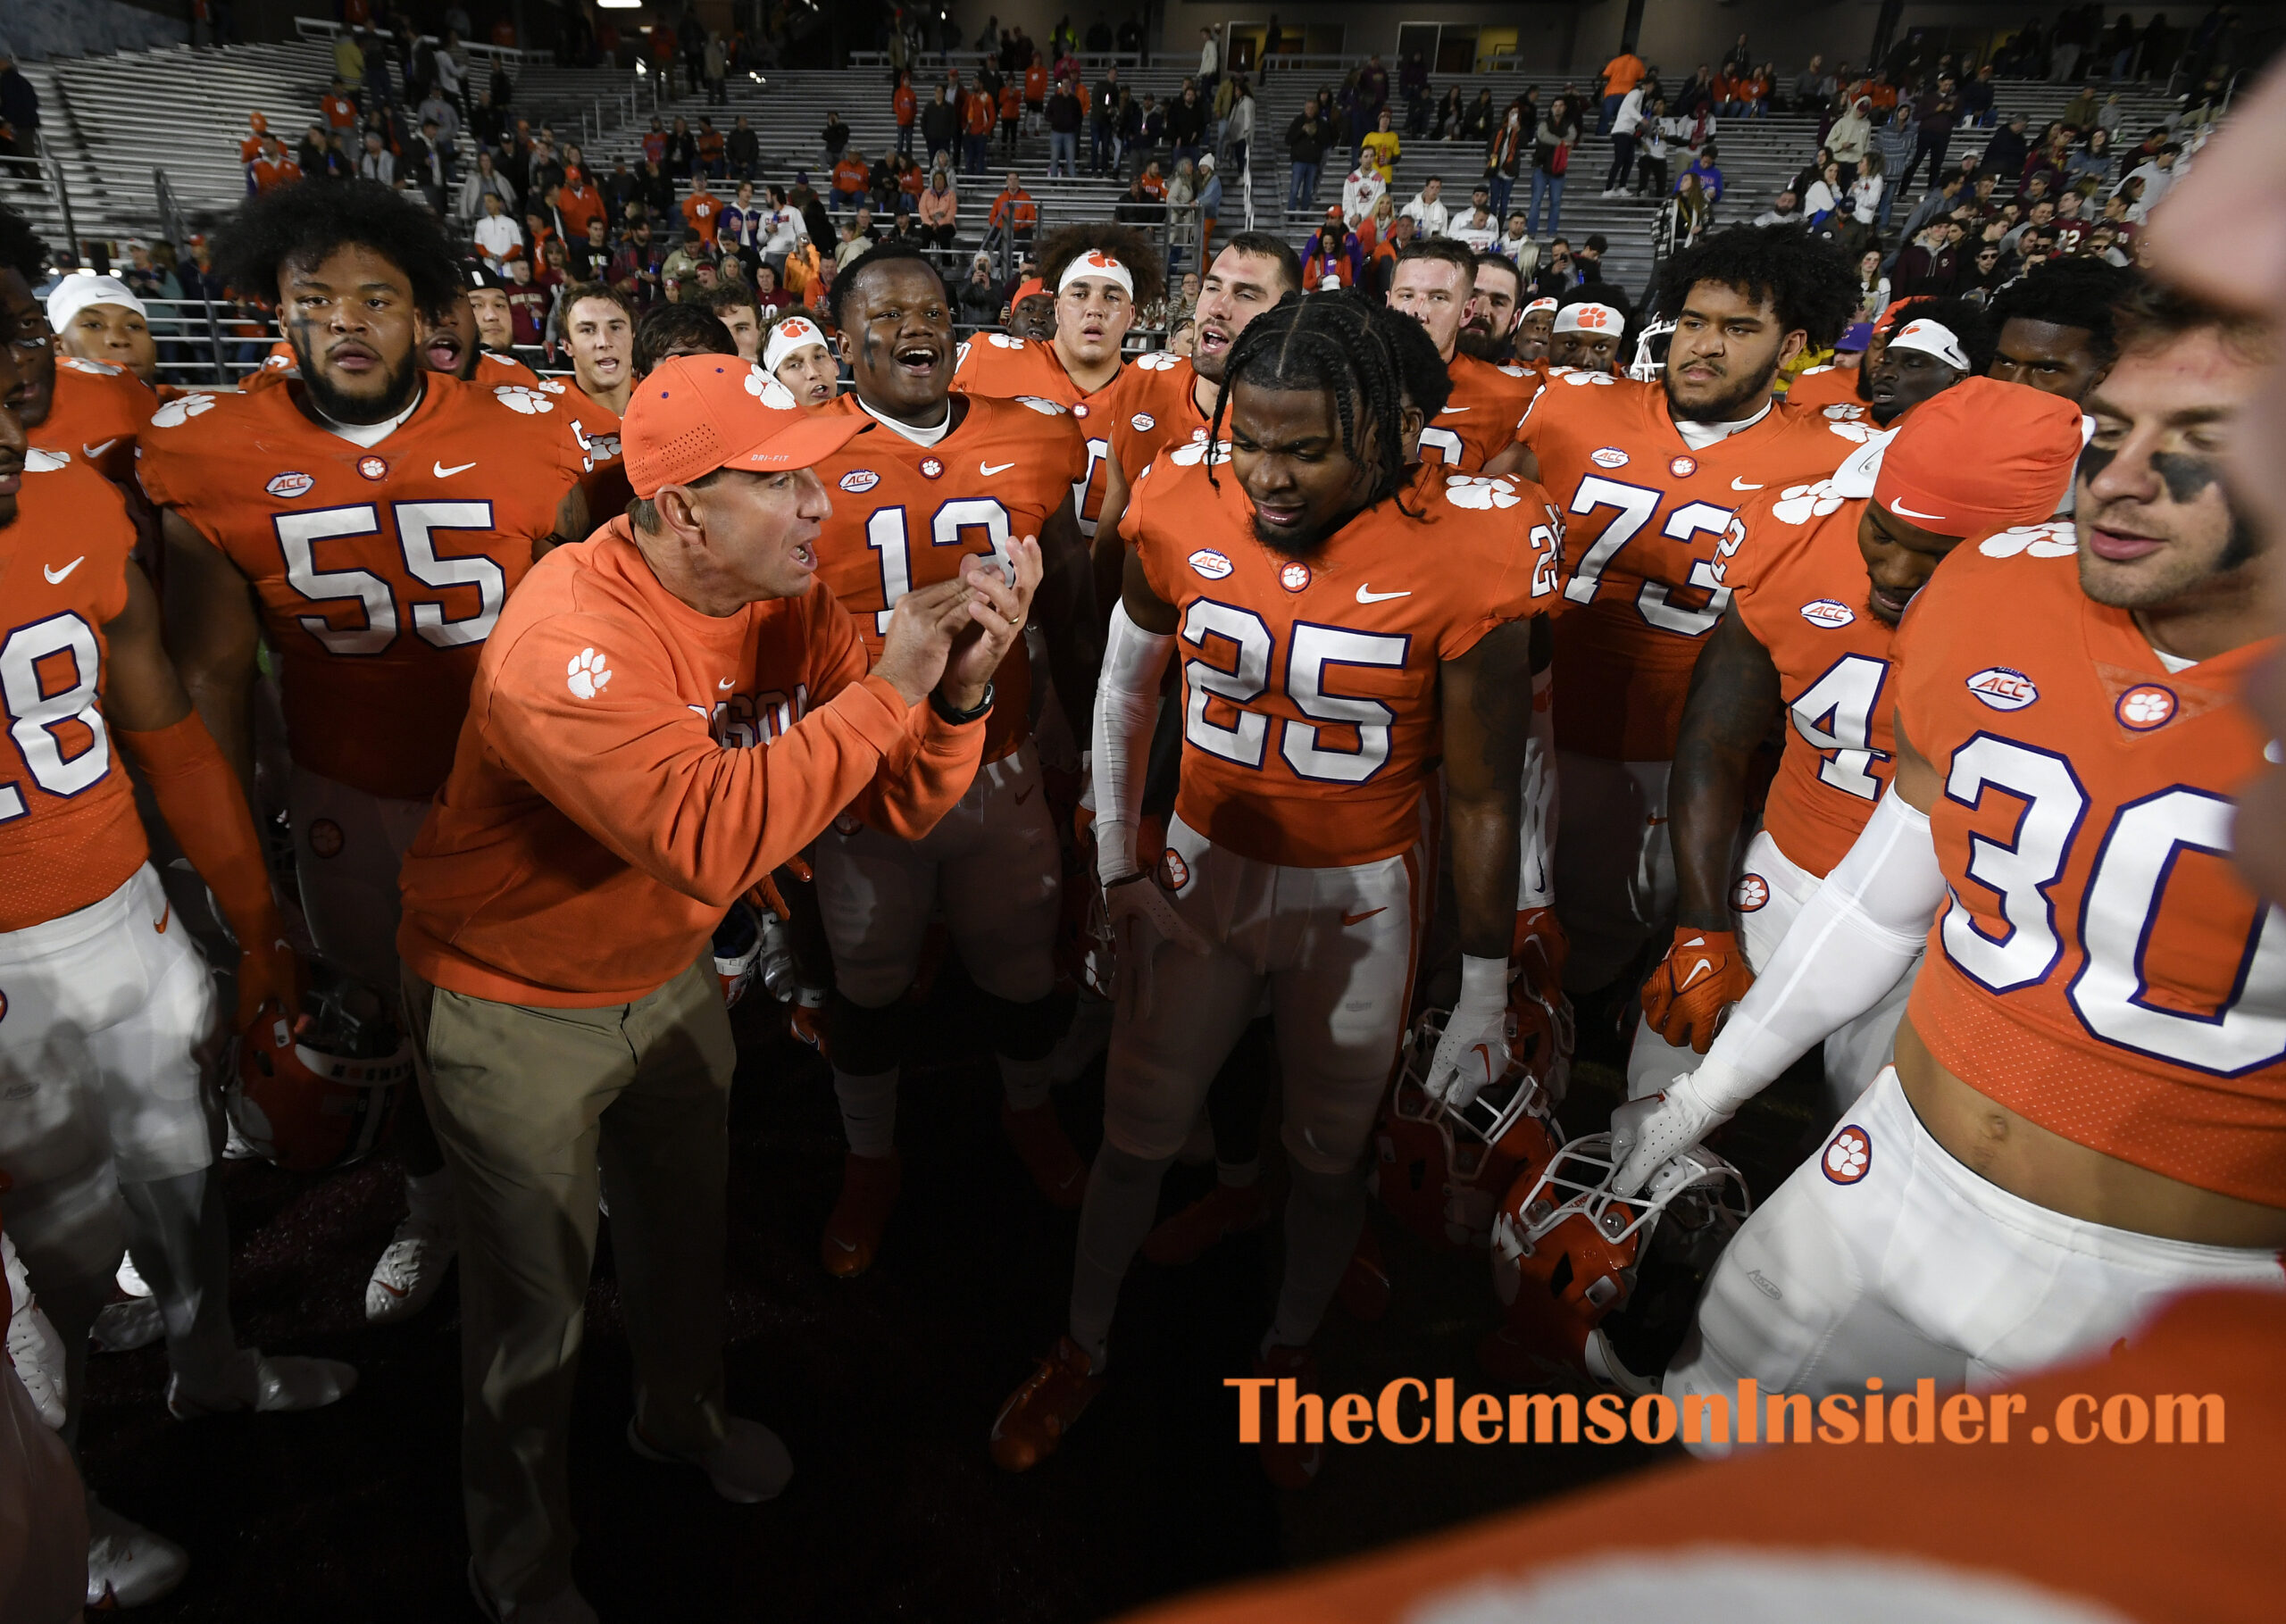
(522, 1099)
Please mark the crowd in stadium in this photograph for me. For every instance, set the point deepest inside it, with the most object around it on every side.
(1359, 682)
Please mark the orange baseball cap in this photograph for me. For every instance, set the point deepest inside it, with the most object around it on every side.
(1026, 289)
(695, 413)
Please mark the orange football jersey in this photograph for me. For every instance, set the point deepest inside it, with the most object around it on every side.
(1157, 408)
(1479, 421)
(1310, 688)
(69, 833)
(2100, 967)
(381, 572)
(1814, 388)
(905, 515)
(98, 412)
(1011, 369)
(1643, 512)
(492, 367)
(1798, 582)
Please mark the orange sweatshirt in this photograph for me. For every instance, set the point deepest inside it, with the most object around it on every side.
(631, 767)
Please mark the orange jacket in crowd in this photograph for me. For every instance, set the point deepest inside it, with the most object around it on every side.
(576, 203)
(1035, 83)
(904, 103)
(981, 113)
(269, 175)
(704, 210)
(1012, 104)
(1019, 201)
(850, 173)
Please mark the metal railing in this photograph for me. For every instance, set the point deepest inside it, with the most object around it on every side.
(177, 232)
(327, 29)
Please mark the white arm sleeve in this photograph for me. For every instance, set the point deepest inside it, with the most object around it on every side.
(1855, 936)
(1127, 705)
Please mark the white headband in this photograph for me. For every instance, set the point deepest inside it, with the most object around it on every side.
(75, 293)
(794, 333)
(1540, 305)
(1592, 317)
(1095, 261)
(1932, 338)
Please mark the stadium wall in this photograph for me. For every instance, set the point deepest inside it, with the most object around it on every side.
(38, 30)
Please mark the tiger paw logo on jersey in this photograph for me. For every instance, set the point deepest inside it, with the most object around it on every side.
(1848, 1156)
(1608, 456)
(931, 469)
(1174, 873)
(1157, 361)
(1856, 434)
(1045, 408)
(1800, 503)
(1751, 895)
(857, 481)
(288, 486)
(522, 398)
(2003, 689)
(1478, 493)
(1192, 455)
(38, 461)
(326, 839)
(175, 414)
(1827, 614)
(1210, 563)
(376, 469)
(2054, 539)
(1682, 468)
(586, 674)
(2146, 706)
(1295, 576)
(1843, 414)
(1081, 410)
(1143, 423)
(100, 369)
(1581, 381)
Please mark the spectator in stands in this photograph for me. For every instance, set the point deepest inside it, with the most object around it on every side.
(1478, 228)
(1620, 75)
(1651, 152)
(1851, 137)
(1555, 277)
(1934, 115)
(768, 298)
(349, 61)
(639, 267)
(904, 107)
(715, 62)
(742, 226)
(309, 156)
(1626, 126)
(980, 110)
(939, 211)
(376, 162)
(713, 157)
(682, 151)
(742, 150)
(1187, 124)
(2006, 152)
(452, 70)
(978, 297)
(426, 165)
(497, 235)
(1064, 117)
(702, 211)
(852, 180)
(1332, 256)
(1381, 148)
(1306, 139)
(589, 254)
(1430, 214)
(1014, 210)
(1708, 173)
(1517, 245)
(437, 108)
(272, 168)
(1552, 145)
(528, 306)
(940, 126)
(1929, 264)
(1784, 210)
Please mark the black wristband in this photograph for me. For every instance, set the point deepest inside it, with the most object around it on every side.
(958, 718)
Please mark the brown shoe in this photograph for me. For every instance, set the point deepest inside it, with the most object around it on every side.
(1038, 1414)
(852, 1234)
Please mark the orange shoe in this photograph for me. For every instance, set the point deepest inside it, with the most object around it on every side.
(1038, 1414)
(1046, 1154)
(869, 1188)
(1226, 1210)
(1363, 1292)
(1289, 1465)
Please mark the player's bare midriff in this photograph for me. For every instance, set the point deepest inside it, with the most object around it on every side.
(2050, 1170)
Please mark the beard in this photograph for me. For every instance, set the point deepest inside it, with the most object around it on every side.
(1728, 406)
(1479, 344)
(402, 386)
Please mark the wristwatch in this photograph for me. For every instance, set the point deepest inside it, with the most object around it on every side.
(957, 719)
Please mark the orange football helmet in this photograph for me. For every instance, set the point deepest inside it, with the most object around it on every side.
(316, 1093)
(1441, 1172)
(1567, 1254)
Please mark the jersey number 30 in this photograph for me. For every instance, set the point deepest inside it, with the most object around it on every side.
(1315, 648)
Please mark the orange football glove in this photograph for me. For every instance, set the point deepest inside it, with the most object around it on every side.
(1704, 973)
(269, 971)
(1537, 949)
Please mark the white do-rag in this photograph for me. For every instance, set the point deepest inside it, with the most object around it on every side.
(1096, 262)
(75, 292)
(1587, 316)
(1537, 306)
(794, 333)
(1932, 338)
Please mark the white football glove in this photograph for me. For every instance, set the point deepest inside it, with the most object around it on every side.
(1473, 1052)
(33, 1346)
(1646, 1134)
(1143, 918)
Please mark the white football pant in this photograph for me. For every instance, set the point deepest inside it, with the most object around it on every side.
(994, 863)
(1854, 1054)
(1336, 951)
(349, 847)
(1614, 871)
(1884, 1256)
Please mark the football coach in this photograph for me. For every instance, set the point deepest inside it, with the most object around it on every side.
(663, 714)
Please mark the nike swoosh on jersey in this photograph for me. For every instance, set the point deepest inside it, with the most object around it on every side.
(1365, 594)
(1899, 507)
(165, 914)
(988, 470)
(1024, 794)
(1454, 411)
(442, 472)
(1359, 918)
(92, 452)
(56, 578)
(1739, 484)
(728, 682)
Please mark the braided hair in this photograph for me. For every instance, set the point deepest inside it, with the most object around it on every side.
(1341, 345)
